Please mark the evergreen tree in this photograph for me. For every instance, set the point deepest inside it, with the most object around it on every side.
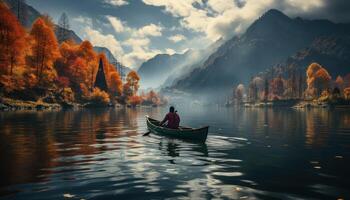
(63, 30)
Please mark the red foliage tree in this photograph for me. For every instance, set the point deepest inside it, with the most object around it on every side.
(277, 87)
(12, 41)
(44, 51)
(86, 51)
(132, 83)
(318, 79)
(115, 84)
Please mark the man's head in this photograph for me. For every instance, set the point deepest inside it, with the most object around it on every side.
(171, 109)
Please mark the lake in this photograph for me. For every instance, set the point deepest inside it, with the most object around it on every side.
(252, 153)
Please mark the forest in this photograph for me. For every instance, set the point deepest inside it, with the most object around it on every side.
(315, 84)
(35, 66)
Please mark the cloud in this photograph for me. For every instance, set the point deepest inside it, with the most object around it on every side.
(104, 40)
(117, 3)
(223, 18)
(149, 30)
(83, 20)
(138, 39)
(170, 51)
(140, 54)
(137, 42)
(177, 38)
(117, 24)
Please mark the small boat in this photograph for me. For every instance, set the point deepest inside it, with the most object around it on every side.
(199, 134)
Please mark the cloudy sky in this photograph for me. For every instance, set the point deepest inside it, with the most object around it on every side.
(136, 30)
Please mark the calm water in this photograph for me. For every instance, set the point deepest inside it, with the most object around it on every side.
(249, 154)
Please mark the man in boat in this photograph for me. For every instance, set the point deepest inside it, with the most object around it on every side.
(172, 118)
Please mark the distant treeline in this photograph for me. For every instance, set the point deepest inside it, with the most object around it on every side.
(314, 84)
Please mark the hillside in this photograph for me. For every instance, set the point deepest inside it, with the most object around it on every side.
(331, 52)
(163, 69)
(156, 70)
(268, 41)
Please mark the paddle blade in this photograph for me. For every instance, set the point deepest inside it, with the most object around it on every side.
(145, 134)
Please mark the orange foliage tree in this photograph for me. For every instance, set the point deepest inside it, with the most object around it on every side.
(44, 51)
(86, 51)
(132, 83)
(239, 92)
(99, 97)
(339, 83)
(12, 41)
(151, 98)
(347, 80)
(69, 52)
(277, 87)
(134, 100)
(318, 79)
(115, 84)
(347, 93)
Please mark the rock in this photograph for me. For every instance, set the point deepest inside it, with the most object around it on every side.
(3, 107)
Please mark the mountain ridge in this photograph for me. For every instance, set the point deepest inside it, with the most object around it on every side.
(268, 41)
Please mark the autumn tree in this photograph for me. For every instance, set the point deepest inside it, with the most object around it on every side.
(291, 84)
(99, 97)
(86, 51)
(44, 51)
(266, 89)
(69, 54)
(301, 86)
(151, 98)
(277, 87)
(134, 100)
(318, 80)
(339, 83)
(78, 71)
(132, 83)
(347, 80)
(12, 41)
(347, 93)
(239, 93)
(252, 91)
(115, 84)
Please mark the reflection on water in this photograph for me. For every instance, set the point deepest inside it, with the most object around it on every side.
(249, 154)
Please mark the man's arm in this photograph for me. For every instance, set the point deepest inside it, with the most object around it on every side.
(164, 120)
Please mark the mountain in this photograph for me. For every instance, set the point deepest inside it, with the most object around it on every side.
(333, 53)
(163, 69)
(30, 14)
(71, 34)
(155, 71)
(268, 41)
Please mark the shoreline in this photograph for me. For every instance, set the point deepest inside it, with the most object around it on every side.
(296, 104)
(8, 105)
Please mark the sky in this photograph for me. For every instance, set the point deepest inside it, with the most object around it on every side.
(137, 30)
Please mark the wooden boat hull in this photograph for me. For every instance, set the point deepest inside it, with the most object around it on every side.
(199, 135)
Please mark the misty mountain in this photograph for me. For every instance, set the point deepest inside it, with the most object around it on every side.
(268, 41)
(163, 69)
(331, 52)
(155, 71)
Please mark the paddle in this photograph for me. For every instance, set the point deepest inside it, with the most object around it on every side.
(145, 134)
